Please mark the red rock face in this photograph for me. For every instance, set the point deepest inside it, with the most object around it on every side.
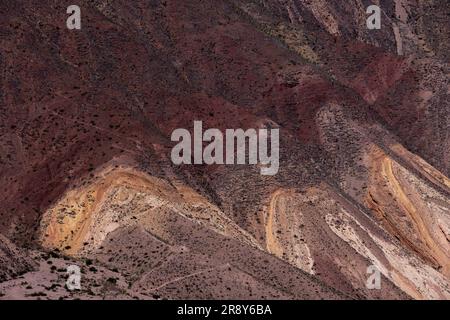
(85, 125)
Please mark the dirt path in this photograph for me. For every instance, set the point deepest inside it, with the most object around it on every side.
(272, 244)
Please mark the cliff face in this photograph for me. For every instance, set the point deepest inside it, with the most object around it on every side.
(85, 124)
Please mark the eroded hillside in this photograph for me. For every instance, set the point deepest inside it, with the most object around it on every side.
(86, 176)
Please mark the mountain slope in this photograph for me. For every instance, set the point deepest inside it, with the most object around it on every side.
(85, 124)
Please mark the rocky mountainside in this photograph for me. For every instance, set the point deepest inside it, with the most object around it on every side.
(86, 118)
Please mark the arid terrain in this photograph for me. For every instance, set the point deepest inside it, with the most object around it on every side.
(86, 176)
